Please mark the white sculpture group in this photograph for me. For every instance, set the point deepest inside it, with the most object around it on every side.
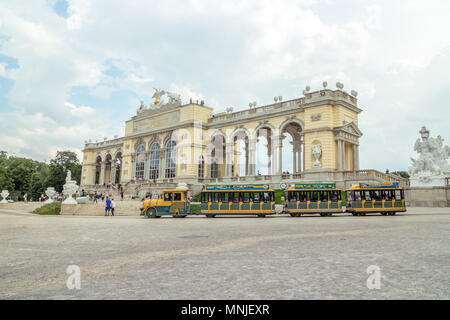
(159, 102)
(431, 168)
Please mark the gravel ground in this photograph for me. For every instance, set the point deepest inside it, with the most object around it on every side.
(276, 257)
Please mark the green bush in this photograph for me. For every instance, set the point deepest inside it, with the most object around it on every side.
(278, 194)
(49, 209)
(195, 208)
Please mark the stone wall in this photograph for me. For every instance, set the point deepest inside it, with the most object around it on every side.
(123, 208)
(428, 196)
(28, 207)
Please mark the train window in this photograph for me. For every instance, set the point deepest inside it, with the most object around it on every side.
(303, 196)
(398, 195)
(324, 196)
(246, 197)
(256, 197)
(292, 196)
(334, 196)
(266, 197)
(358, 195)
(177, 197)
(350, 195)
(167, 197)
(313, 196)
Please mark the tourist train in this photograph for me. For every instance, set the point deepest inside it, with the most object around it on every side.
(299, 199)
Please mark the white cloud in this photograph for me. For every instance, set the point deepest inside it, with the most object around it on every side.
(229, 53)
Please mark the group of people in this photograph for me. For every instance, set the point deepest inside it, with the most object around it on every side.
(110, 206)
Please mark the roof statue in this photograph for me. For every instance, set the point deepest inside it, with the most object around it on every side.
(431, 167)
(173, 100)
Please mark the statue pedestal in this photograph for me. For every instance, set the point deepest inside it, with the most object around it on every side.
(426, 179)
(70, 200)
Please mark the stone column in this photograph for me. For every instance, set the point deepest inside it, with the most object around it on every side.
(355, 157)
(94, 175)
(228, 159)
(147, 166)
(343, 155)
(162, 165)
(280, 155)
(112, 176)
(252, 160)
(102, 173)
(304, 156)
(340, 155)
(299, 157)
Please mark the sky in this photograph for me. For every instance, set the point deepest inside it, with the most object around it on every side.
(76, 70)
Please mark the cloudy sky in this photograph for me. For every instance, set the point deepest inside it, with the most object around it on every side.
(77, 69)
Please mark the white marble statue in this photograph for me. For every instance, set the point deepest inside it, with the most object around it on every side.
(317, 152)
(50, 192)
(69, 188)
(431, 168)
(4, 194)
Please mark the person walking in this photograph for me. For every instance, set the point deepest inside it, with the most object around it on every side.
(121, 193)
(95, 197)
(107, 207)
(25, 198)
(113, 206)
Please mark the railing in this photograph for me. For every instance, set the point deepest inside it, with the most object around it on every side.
(377, 175)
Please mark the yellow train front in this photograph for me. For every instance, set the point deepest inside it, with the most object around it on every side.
(237, 200)
(319, 198)
(385, 198)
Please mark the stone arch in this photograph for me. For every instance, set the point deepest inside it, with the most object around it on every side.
(154, 159)
(152, 140)
(138, 143)
(240, 152)
(108, 167)
(216, 154)
(290, 142)
(116, 173)
(264, 133)
(98, 168)
(291, 120)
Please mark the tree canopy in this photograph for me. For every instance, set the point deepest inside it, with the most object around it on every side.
(22, 175)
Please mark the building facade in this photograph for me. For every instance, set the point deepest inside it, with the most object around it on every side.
(171, 142)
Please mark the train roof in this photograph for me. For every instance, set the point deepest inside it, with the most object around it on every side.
(313, 187)
(368, 186)
(238, 187)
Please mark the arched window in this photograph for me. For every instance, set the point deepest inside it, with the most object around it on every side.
(140, 162)
(171, 159)
(201, 167)
(214, 169)
(154, 161)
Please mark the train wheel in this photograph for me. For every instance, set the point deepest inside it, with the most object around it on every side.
(384, 213)
(151, 213)
(323, 214)
(210, 215)
(354, 214)
(261, 215)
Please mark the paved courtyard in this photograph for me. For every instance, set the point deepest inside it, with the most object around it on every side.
(226, 258)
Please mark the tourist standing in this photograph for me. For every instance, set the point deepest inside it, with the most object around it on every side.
(121, 193)
(107, 207)
(113, 206)
(25, 198)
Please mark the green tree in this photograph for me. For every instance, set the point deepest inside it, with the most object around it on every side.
(402, 174)
(57, 170)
